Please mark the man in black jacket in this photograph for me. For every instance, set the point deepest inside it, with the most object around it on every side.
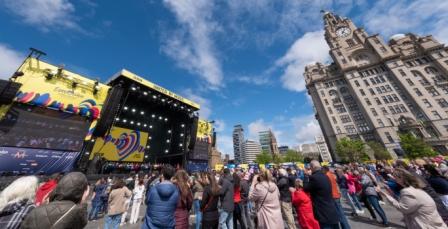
(283, 185)
(319, 186)
(245, 200)
(227, 203)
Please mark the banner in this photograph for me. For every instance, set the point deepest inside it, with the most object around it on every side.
(34, 161)
(121, 145)
(46, 85)
(193, 166)
(205, 130)
(219, 167)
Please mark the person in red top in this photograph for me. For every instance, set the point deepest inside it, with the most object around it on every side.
(237, 212)
(304, 207)
(43, 192)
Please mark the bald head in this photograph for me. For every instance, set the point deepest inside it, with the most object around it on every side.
(315, 165)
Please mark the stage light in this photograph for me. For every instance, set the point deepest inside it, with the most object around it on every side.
(138, 124)
(175, 105)
(146, 156)
(169, 131)
(182, 107)
(149, 137)
(183, 125)
(166, 120)
(188, 109)
(117, 119)
(144, 125)
(163, 100)
(160, 117)
(168, 141)
(133, 109)
(142, 112)
(150, 127)
(93, 140)
(124, 120)
(153, 116)
(145, 93)
(181, 144)
(133, 88)
(147, 147)
(181, 135)
(132, 122)
(154, 97)
(125, 108)
(166, 151)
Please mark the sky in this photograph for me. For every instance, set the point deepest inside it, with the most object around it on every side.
(241, 60)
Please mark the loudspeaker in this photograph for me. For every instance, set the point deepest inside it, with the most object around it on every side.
(193, 133)
(8, 91)
(110, 109)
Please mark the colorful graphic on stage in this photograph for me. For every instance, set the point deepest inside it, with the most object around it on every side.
(205, 131)
(34, 161)
(49, 86)
(121, 145)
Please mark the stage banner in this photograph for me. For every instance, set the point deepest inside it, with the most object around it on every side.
(49, 86)
(193, 166)
(34, 161)
(205, 131)
(121, 145)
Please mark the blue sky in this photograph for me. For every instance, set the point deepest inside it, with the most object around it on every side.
(242, 60)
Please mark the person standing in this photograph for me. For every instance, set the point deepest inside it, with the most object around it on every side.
(245, 205)
(304, 208)
(98, 192)
(45, 189)
(368, 188)
(237, 211)
(162, 201)
(266, 196)
(227, 204)
(137, 198)
(318, 185)
(418, 208)
(336, 197)
(117, 204)
(198, 190)
(185, 201)
(283, 185)
(67, 207)
(209, 204)
(16, 201)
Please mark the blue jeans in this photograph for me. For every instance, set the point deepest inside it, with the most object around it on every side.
(373, 200)
(328, 226)
(225, 219)
(96, 206)
(352, 200)
(198, 213)
(112, 221)
(342, 219)
(245, 215)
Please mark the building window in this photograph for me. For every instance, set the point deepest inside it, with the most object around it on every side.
(322, 93)
(350, 129)
(350, 42)
(373, 111)
(368, 101)
(383, 49)
(390, 121)
(363, 127)
(376, 40)
(442, 102)
(446, 62)
(345, 118)
(432, 91)
(410, 82)
(338, 130)
(371, 91)
(403, 108)
(362, 92)
(395, 98)
(334, 120)
(427, 103)
(326, 101)
(392, 110)
(366, 82)
(340, 109)
(330, 110)
(417, 92)
(436, 114)
(377, 100)
(389, 138)
(357, 83)
(357, 116)
(380, 122)
(388, 88)
(383, 109)
(402, 72)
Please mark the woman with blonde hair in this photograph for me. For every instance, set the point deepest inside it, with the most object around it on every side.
(264, 193)
(16, 201)
(418, 208)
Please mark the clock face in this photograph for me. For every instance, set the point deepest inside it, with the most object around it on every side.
(343, 31)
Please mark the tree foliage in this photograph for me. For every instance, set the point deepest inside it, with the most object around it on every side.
(415, 147)
(292, 156)
(351, 150)
(263, 158)
(379, 152)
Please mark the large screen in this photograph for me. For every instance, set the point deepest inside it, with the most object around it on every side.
(200, 151)
(42, 128)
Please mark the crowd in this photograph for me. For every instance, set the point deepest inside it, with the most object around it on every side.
(310, 198)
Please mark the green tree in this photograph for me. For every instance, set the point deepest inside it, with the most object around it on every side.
(415, 147)
(277, 159)
(263, 158)
(351, 150)
(292, 156)
(379, 151)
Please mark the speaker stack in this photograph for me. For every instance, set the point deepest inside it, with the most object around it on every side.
(109, 111)
(8, 91)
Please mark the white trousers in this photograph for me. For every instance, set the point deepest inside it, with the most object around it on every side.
(135, 210)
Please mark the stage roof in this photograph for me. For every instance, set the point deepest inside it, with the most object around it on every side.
(127, 74)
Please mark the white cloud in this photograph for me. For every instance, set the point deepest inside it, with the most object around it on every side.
(311, 47)
(10, 60)
(44, 14)
(219, 125)
(192, 45)
(225, 144)
(402, 16)
(206, 105)
(260, 125)
(305, 128)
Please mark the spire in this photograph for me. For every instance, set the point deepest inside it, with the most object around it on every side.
(330, 18)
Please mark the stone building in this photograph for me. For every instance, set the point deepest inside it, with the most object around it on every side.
(373, 89)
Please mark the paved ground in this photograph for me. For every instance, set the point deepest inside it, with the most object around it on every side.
(362, 221)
